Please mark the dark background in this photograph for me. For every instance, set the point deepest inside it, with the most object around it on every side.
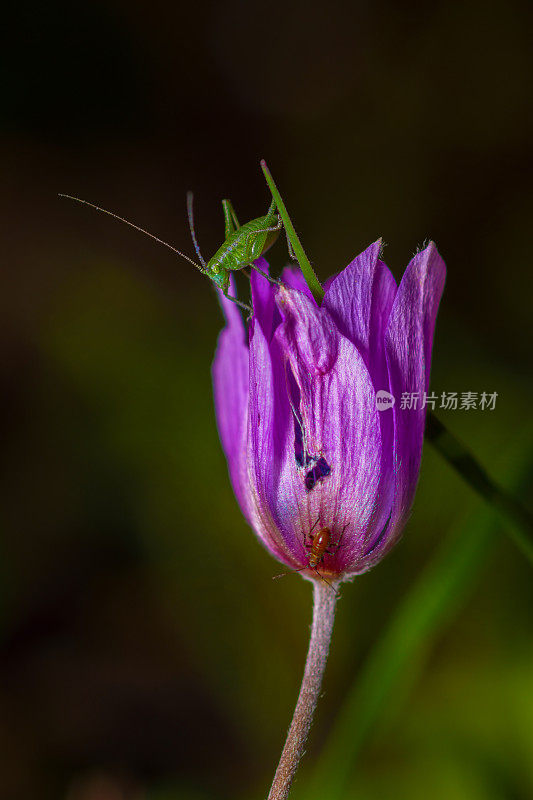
(145, 651)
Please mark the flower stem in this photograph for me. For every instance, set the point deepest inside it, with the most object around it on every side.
(324, 600)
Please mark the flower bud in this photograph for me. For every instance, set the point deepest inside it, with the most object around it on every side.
(299, 401)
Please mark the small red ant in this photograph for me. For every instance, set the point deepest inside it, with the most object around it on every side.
(318, 547)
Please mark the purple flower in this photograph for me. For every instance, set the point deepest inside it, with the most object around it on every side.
(295, 397)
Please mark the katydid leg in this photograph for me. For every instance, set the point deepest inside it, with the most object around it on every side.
(267, 230)
(231, 223)
(238, 302)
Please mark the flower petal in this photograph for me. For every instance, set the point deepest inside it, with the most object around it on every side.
(292, 277)
(263, 302)
(360, 299)
(341, 423)
(408, 344)
(230, 385)
(268, 443)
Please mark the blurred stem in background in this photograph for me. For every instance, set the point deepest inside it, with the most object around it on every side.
(440, 591)
(519, 519)
(520, 527)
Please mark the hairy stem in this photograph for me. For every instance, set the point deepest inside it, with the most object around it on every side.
(324, 600)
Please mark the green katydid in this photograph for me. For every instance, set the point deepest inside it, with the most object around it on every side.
(242, 245)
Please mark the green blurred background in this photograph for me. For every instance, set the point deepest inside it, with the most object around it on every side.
(145, 652)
